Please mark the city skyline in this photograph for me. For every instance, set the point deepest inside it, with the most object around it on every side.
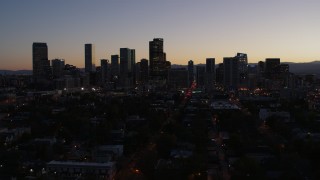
(273, 29)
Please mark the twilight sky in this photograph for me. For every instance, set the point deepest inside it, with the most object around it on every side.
(192, 29)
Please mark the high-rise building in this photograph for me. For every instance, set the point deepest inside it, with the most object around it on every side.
(157, 58)
(133, 65)
(40, 62)
(57, 67)
(104, 63)
(126, 79)
(89, 57)
(210, 72)
(219, 74)
(200, 76)
(261, 68)
(114, 65)
(210, 65)
(243, 68)
(190, 72)
(138, 73)
(144, 71)
(284, 75)
(230, 72)
(272, 68)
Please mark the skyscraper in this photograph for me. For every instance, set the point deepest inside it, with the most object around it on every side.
(200, 76)
(272, 68)
(40, 62)
(104, 70)
(157, 58)
(138, 73)
(114, 65)
(126, 80)
(210, 72)
(144, 71)
(230, 72)
(57, 67)
(243, 68)
(190, 72)
(219, 74)
(133, 65)
(89, 57)
(261, 68)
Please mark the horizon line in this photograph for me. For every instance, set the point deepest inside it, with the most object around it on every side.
(315, 61)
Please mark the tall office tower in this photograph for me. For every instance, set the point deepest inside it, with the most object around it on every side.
(284, 75)
(40, 62)
(104, 70)
(200, 76)
(219, 73)
(126, 79)
(243, 68)
(157, 59)
(133, 65)
(57, 67)
(114, 65)
(89, 57)
(230, 72)
(210, 72)
(190, 72)
(261, 68)
(144, 71)
(272, 68)
(138, 72)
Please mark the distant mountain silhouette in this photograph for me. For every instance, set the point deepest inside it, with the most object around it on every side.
(304, 68)
(297, 68)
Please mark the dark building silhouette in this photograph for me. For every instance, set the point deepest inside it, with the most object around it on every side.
(190, 72)
(200, 76)
(114, 74)
(243, 68)
(284, 75)
(114, 65)
(133, 65)
(210, 72)
(219, 73)
(230, 73)
(89, 57)
(272, 68)
(284, 68)
(138, 73)
(178, 78)
(252, 77)
(126, 69)
(104, 64)
(144, 71)
(41, 64)
(261, 68)
(57, 67)
(158, 64)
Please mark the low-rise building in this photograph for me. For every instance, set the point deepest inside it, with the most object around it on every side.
(107, 153)
(69, 169)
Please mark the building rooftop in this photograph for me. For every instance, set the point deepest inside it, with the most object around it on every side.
(72, 163)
